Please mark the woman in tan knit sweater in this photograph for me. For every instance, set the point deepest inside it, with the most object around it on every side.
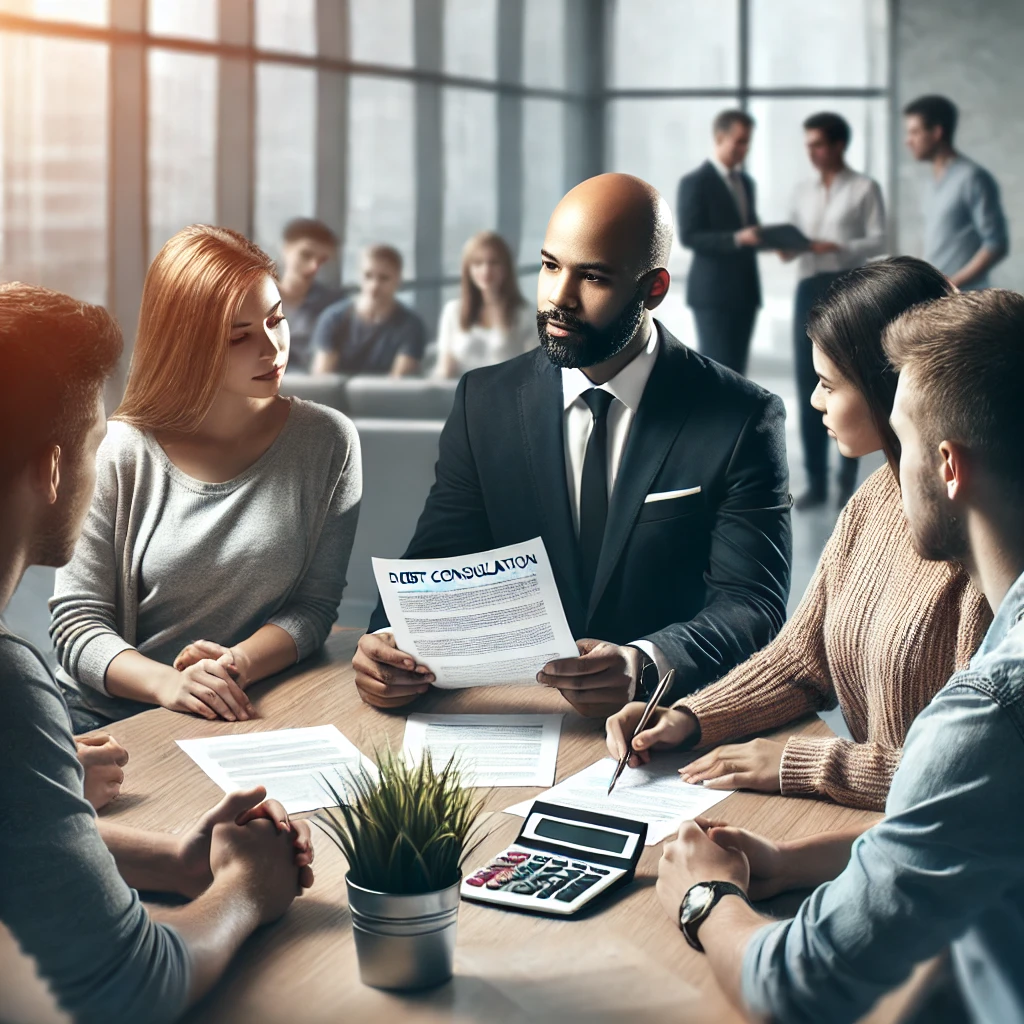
(879, 630)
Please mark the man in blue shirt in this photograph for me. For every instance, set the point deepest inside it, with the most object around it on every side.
(965, 233)
(372, 333)
(944, 867)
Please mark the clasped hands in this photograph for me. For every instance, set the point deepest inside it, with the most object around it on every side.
(209, 680)
(214, 841)
(596, 683)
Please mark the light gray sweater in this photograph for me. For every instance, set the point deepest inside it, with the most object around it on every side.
(165, 559)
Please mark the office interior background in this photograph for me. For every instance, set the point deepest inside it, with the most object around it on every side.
(421, 122)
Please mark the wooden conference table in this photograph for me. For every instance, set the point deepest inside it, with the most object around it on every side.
(625, 957)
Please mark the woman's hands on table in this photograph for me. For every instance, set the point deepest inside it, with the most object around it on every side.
(754, 765)
(385, 676)
(207, 688)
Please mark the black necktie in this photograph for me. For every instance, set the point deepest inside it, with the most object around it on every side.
(594, 486)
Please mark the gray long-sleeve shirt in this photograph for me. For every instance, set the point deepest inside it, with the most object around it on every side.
(61, 894)
(962, 214)
(165, 559)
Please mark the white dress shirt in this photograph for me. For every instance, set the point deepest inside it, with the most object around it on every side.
(849, 212)
(483, 346)
(627, 388)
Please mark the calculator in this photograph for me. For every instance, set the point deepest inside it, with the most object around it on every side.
(561, 860)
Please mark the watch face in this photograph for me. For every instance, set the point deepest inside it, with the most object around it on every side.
(694, 903)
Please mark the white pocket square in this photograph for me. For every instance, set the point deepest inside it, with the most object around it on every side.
(665, 495)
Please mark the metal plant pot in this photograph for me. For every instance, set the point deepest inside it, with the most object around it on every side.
(404, 942)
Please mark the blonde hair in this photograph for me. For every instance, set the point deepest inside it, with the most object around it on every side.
(472, 300)
(192, 293)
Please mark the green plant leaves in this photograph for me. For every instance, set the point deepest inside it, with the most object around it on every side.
(408, 831)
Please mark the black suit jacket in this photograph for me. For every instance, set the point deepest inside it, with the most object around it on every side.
(722, 273)
(705, 577)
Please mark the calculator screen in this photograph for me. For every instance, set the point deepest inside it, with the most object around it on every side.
(580, 835)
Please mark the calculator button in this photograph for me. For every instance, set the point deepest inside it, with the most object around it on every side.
(568, 894)
(586, 881)
(515, 857)
(524, 888)
(582, 867)
(559, 863)
(503, 876)
(475, 880)
(600, 871)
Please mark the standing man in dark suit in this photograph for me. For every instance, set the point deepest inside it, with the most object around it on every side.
(718, 221)
(656, 478)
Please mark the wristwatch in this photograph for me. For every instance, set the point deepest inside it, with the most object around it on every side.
(699, 901)
(647, 681)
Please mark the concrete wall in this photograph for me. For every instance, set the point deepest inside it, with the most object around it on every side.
(972, 52)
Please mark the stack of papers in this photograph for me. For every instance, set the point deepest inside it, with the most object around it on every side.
(653, 793)
(291, 763)
(491, 750)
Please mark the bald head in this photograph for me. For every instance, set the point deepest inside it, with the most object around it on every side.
(603, 269)
(622, 219)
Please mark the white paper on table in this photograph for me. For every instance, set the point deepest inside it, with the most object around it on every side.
(653, 793)
(492, 750)
(291, 763)
(489, 619)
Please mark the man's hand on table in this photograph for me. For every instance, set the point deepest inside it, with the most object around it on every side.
(385, 676)
(694, 857)
(772, 865)
(753, 765)
(103, 760)
(599, 681)
(238, 809)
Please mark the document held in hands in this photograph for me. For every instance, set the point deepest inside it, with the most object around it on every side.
(653, 793)
(291, 763)
(492, 750)
(487, 619)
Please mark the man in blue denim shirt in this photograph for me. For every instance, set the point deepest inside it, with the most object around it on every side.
(946, 864)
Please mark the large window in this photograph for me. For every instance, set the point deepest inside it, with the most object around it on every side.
(412, 122)
(781, 60)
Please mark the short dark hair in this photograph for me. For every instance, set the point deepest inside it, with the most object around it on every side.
(935, 110)
(724, 121)
(57, 352)
(834, 127)
(965, 353)
(307, 227)
(385, 252)
(848, 323)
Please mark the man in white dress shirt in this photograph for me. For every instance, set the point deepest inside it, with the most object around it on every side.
(842, 212)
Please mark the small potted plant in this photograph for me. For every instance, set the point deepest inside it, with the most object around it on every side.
(405, 835)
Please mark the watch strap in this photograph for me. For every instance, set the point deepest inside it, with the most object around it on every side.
(719, 889)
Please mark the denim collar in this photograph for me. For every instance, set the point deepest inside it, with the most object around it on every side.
(1010, 613)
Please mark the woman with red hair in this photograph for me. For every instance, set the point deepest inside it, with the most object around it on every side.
(216, 547)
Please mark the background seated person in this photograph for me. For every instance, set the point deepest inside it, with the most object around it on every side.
(69, 895)
(306, 245)
(373, 333)
(656, 478)
(489, 322)
(856, 637)
(943, 868)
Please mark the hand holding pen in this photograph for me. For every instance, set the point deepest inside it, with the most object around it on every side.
(665, 728)
(659, 692)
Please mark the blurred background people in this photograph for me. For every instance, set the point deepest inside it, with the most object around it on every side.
(717, 214)
(841, 211)
(489, 322)
(372, 333)
(965, 232)
(306, 245)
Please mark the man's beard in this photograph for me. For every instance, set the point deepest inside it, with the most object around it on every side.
(937, 535)
(595, 344)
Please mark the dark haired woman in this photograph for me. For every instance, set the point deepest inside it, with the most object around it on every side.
(489, 321)
(879, 630)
